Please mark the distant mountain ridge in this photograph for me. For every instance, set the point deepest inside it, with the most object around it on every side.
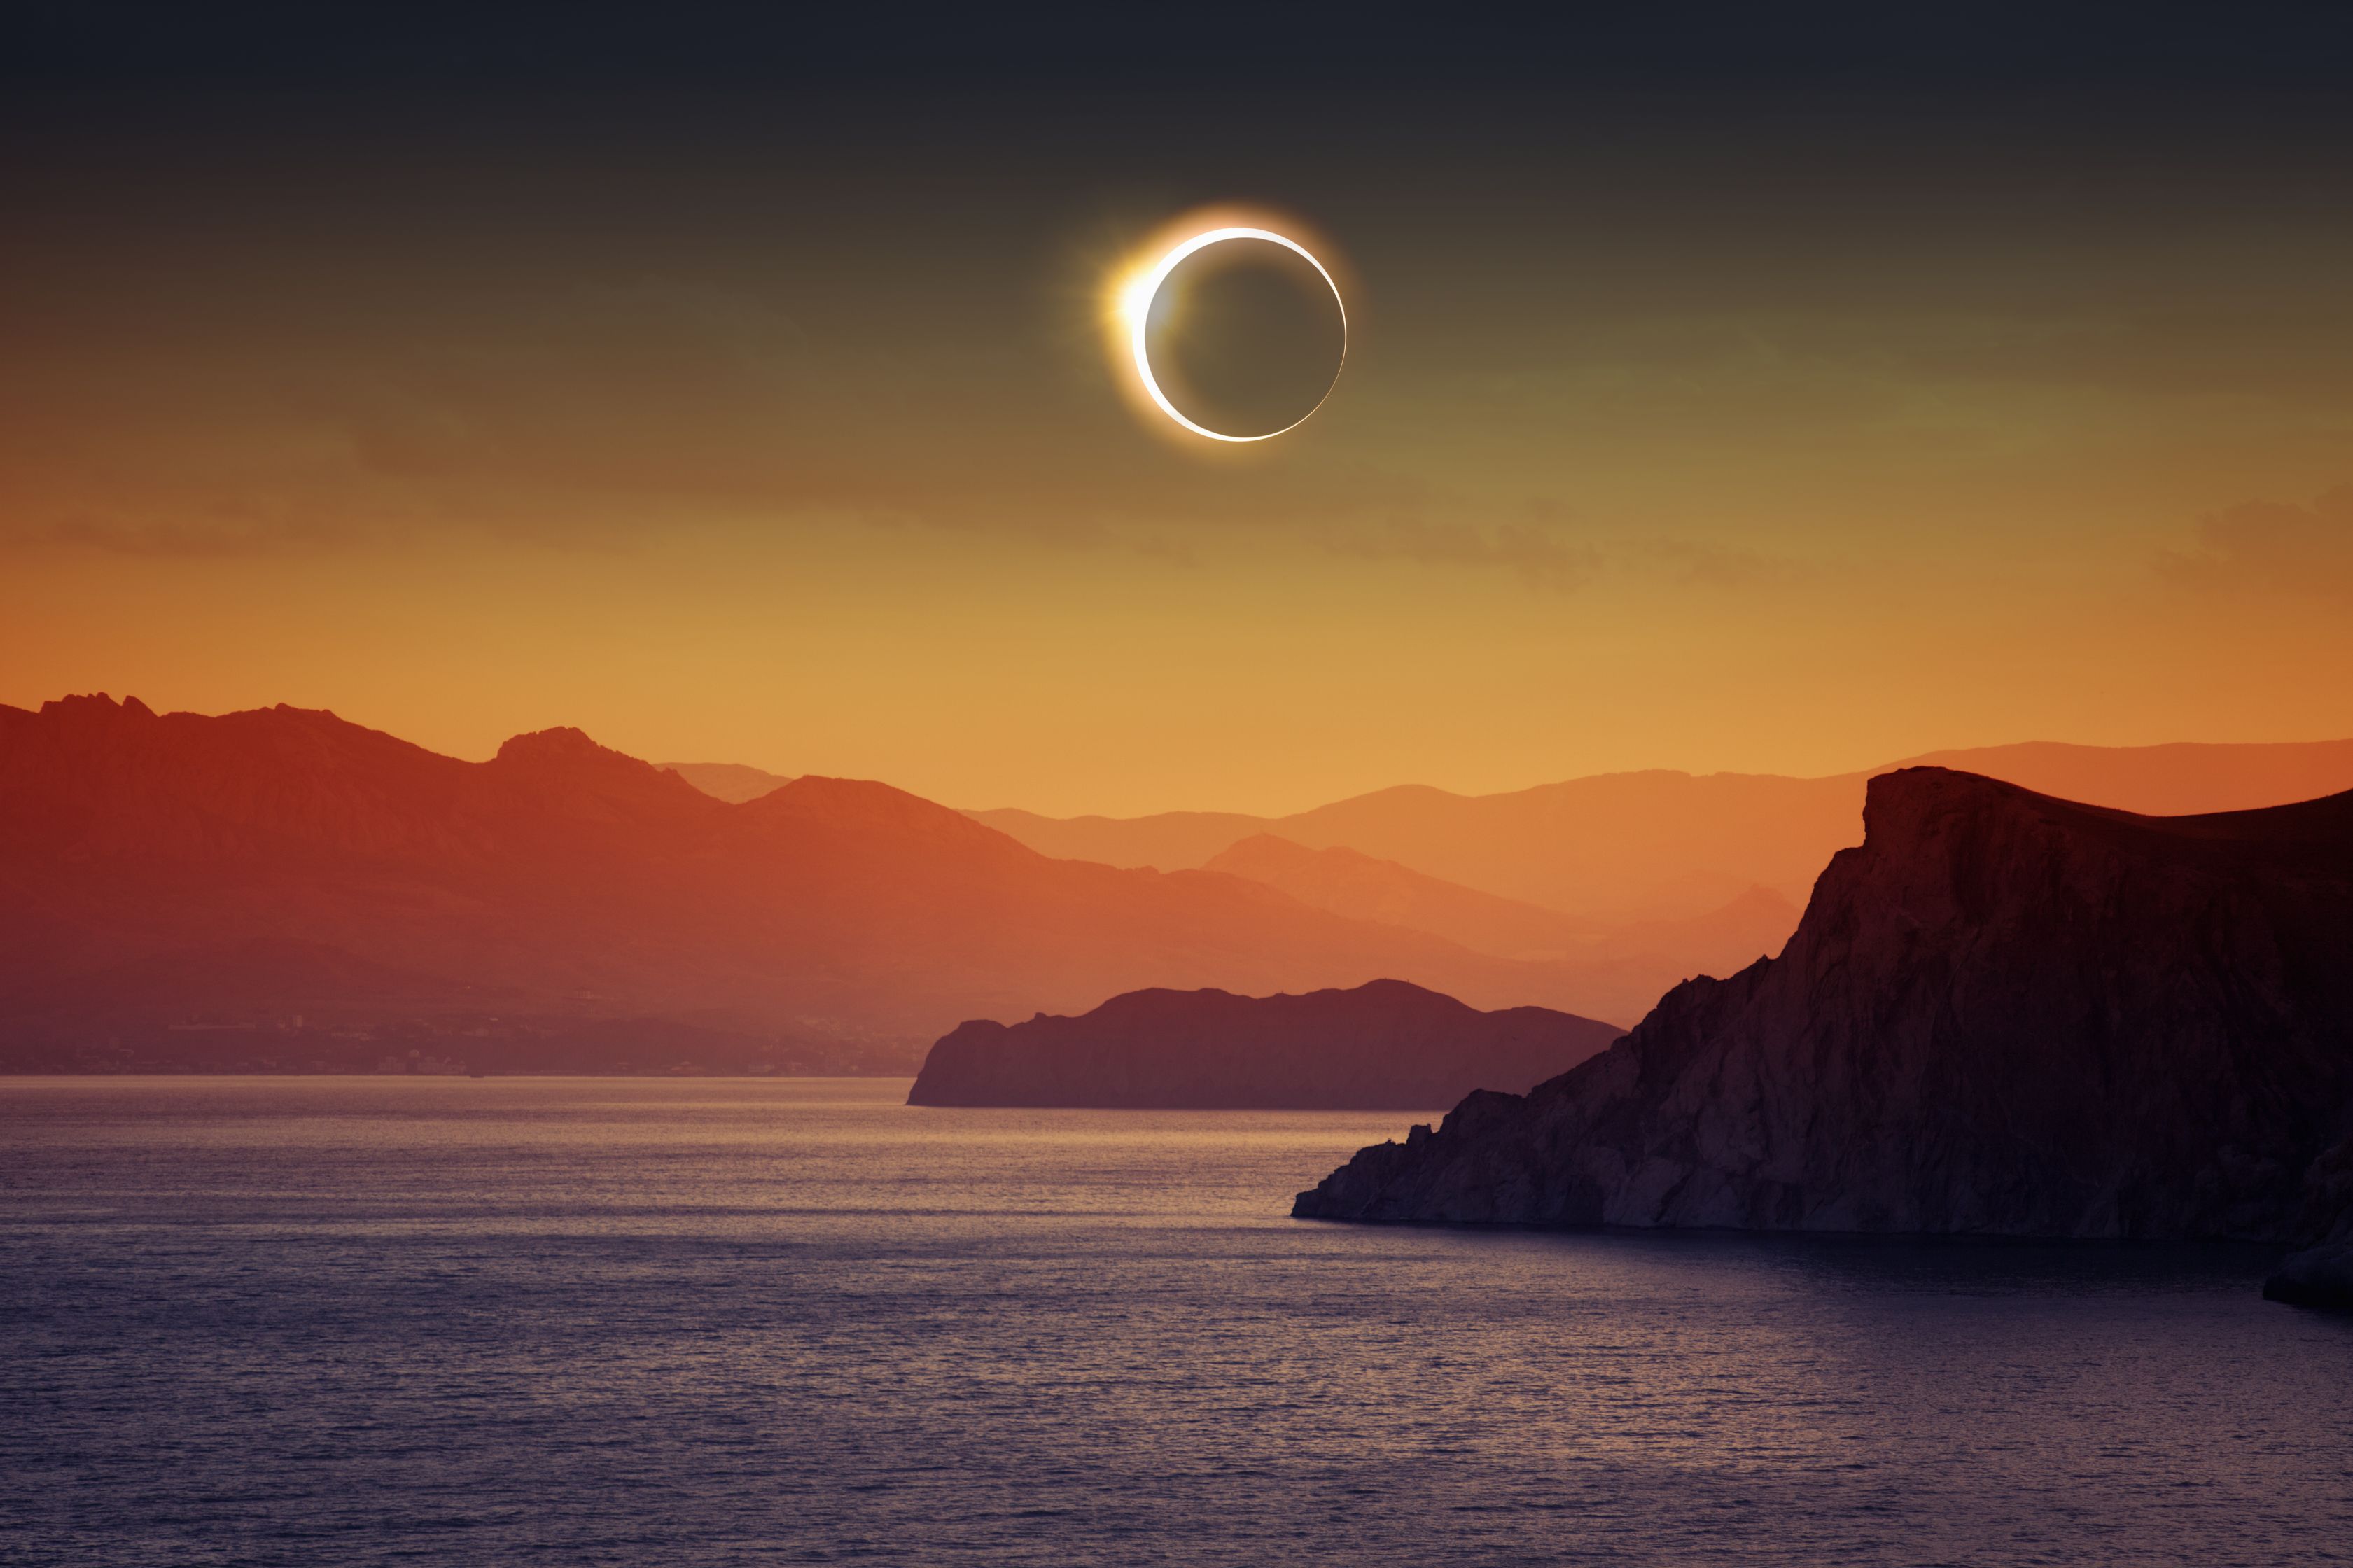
(732, 782)
(1621, 970)
(2003, 1013)
(1618, 847)
(1383, 1045)
(1348, 882)
(163, 872)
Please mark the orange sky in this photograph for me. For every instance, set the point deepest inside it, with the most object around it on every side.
(1759, 444)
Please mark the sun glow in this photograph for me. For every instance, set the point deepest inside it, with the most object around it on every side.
(1136, 288)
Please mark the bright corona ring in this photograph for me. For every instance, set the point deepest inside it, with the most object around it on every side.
(1143, 310)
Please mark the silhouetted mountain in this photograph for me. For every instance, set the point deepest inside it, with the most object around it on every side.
(1620, 971)
(1721, 941)
(2003, 1013)
(1167, 841)
(1387, 1045)
(2184, 779)
(1349, 883)
(181, 870)
(1661, 844)
(732, 782)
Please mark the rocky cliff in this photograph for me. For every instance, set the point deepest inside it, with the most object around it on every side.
(1387, 1045)
(2003, 1013)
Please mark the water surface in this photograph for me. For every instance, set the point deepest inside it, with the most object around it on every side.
(586, 1321)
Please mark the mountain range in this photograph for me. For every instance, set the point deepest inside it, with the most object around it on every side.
(180, 889)
(283, 888)
(1613, 849)
(1635, 881)
(1618, 971)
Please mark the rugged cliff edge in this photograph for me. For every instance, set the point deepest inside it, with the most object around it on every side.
(1384, 1045)
(2002, 1014)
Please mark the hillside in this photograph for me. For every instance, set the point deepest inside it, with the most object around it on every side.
(180, 884)
(730, 782)
(1349, 883)
(1620, 970)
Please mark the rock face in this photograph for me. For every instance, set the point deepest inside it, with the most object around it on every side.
(2322, 1276)
(2317, 1276)
(2003, 1013)
(1383, 1045)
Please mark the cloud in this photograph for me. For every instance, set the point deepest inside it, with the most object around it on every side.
(1533, 553)
(178, 540)
(1699, 564)
(1539, 545)
(2271, 547)
(580, 416)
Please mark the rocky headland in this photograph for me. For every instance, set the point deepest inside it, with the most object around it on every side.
(2002, 1014)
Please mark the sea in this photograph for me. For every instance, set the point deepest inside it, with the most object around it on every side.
(342, 1320)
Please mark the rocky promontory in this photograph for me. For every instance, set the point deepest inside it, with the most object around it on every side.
(1383, 1045)
(2002, 1014)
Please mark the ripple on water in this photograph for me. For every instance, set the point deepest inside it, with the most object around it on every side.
(326, 1322)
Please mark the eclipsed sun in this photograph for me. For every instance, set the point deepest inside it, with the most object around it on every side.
(1236, 332)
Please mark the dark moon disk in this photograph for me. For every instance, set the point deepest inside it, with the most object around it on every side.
(1245, 337)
